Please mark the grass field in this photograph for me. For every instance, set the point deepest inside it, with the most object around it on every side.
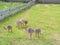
(44, 16)
(7, 5)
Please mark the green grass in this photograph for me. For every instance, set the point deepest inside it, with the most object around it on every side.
(44, 16)
(7, 5)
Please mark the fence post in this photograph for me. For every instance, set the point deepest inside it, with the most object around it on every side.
(9, 11)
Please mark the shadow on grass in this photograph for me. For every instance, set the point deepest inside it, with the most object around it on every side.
(21, 12)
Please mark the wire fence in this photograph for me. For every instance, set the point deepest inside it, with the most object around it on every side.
(11, 11)
(49, 1)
